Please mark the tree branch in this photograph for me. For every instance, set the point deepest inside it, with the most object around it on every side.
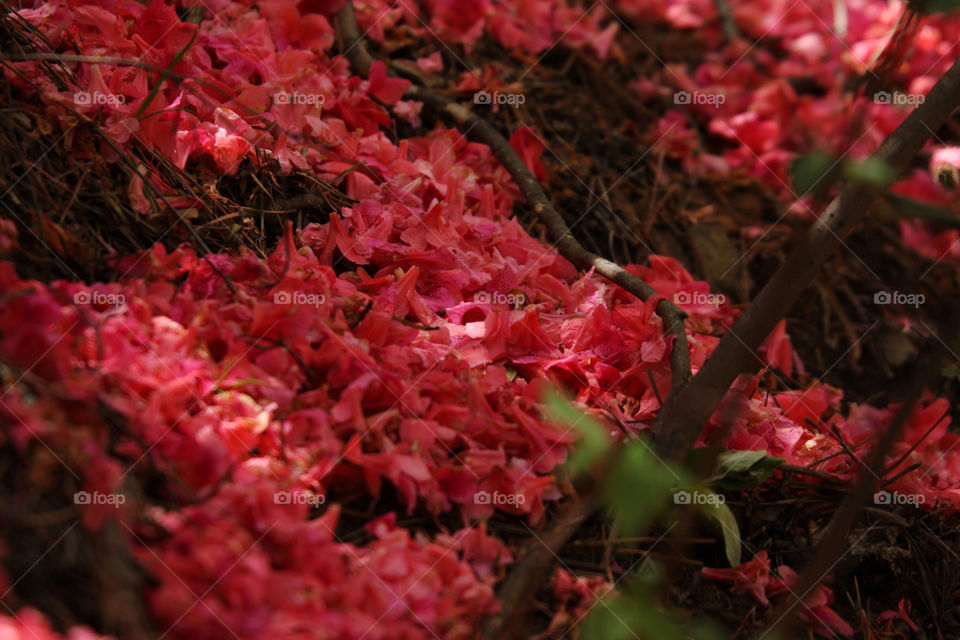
(687, 408)
(479, 130)
(539, 555)
(834, 543)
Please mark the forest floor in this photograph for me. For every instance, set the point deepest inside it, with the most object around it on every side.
(625, 200)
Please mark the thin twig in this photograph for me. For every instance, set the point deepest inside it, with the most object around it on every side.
(904, 207)
(813, 473)
(540, 554)
(916, 444)
(843, 444)
(479, 130)
(834, 542)
(913, 467)
(727, 22)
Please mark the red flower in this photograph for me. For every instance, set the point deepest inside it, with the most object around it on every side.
(751, 577)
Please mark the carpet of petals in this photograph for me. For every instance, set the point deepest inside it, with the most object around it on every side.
(405, 345)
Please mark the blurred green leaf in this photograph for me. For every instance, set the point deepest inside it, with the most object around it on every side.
(594, 438)
(741, 469)
(627, 619)
(637, 613)
(718, 510)
(939, 6)
(703, 459)
(872, 171)
(733, 460)
(814, 171)
(639, 487)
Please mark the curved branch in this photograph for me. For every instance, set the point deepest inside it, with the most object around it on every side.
(355, 50)
(537, 559)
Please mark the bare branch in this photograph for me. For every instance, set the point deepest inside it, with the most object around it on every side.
(539, 555)
(834, 543)
(479, 130)
(687, 409)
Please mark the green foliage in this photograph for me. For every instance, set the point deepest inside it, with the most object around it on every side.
(871, 171)
(741, 469)
(734, 469)
(721, 514)
(636, 613)
(733, 461)
(938, 6)
(640, 486)
(814, 171)
(818, 171)
(594, 439)
(639, 490)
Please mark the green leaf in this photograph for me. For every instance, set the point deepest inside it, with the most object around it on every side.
(871, 171)
(733, 460)
(939, 6)
(814, 171)
(702, 460)
(627, 618)
(718, 510)
(594, 439)
(637, 613)
(742, 469)
(640, 486)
